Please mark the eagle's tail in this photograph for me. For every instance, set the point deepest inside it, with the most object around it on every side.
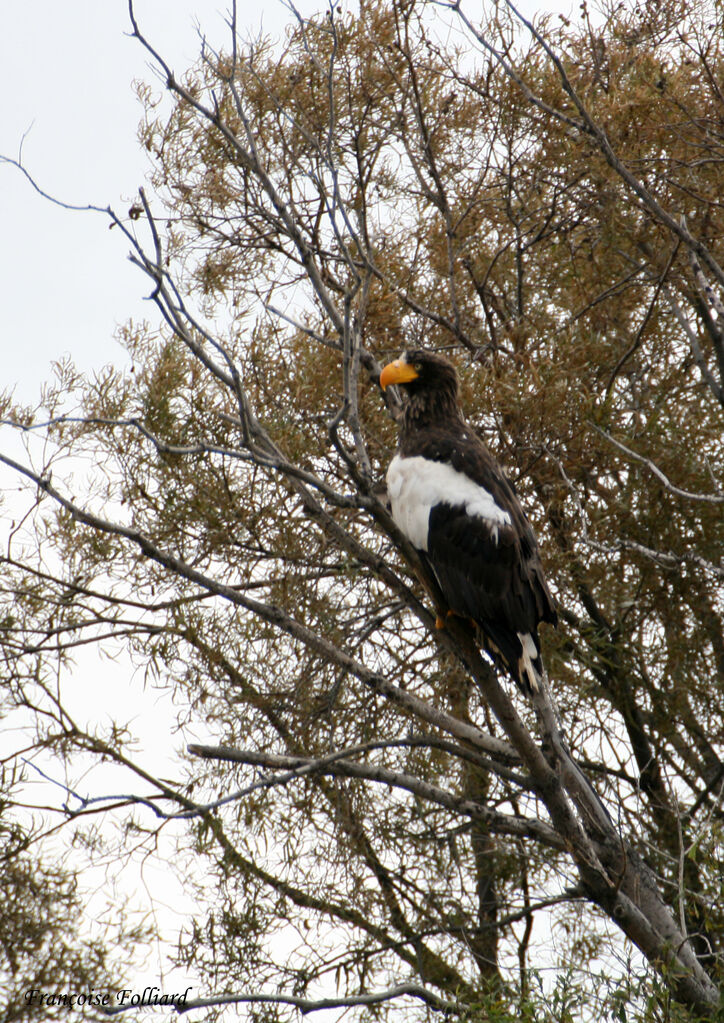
(518, 653)
(530, 666)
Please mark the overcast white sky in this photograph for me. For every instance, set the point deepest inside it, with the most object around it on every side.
(66, 73)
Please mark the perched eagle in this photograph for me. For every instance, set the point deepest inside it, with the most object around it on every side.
(451, 500)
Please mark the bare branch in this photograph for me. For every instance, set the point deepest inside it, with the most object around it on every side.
(338, 764)
(714, 386)
(687, 495)
(306, 1005)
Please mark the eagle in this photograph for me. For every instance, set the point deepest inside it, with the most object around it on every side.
(452, 501)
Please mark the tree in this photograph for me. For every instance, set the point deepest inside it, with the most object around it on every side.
(43, 947)
(545, 205)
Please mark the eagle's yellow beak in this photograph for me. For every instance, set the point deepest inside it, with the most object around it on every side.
(397, 372)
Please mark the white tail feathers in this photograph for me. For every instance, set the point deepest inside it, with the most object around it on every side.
(526, 662)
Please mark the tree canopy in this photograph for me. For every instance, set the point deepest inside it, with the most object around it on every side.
(381, 819)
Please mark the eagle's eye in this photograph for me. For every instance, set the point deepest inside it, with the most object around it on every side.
(417, 366)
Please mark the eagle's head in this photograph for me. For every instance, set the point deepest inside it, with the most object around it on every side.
(431, 385)
(418, 372)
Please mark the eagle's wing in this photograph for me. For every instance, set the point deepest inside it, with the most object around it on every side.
(456, 506)
(511, 553)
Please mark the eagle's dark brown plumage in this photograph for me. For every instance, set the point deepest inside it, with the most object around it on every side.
(451, 499)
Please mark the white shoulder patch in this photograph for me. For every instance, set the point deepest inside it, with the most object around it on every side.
(417, 484)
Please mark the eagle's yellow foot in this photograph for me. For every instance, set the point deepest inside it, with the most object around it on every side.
(464, 618)
(440, 622)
